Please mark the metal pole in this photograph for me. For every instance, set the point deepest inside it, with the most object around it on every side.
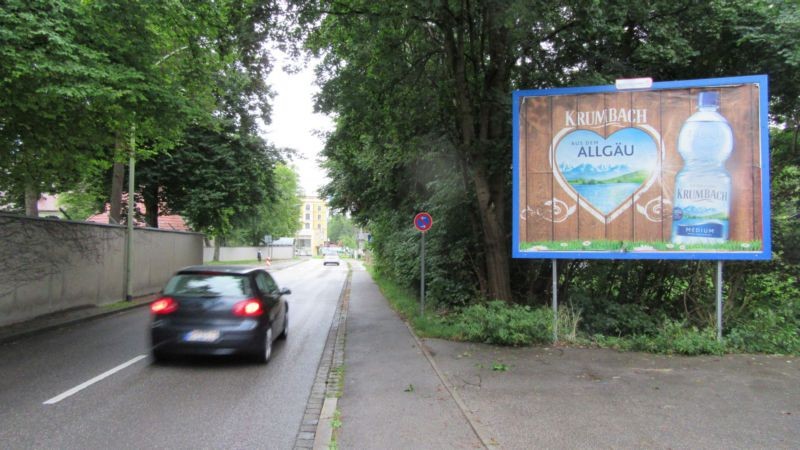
(129, 235)
(422, 276)
(719, 300)
(555, 301)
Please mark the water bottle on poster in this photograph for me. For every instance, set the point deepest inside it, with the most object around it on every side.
(701, 208)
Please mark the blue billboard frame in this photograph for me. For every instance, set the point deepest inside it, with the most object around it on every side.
(766, 248)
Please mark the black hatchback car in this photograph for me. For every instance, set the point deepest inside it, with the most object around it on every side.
(219, 310)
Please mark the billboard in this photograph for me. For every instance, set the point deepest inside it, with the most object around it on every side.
(679, 170)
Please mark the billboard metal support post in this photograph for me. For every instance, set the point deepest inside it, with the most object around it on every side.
(719, 300)
(422, 276)
(555, 301)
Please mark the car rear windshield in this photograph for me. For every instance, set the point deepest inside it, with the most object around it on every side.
(208, 285)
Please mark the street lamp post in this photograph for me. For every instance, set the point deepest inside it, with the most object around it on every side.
(131, 197)
(129, 234)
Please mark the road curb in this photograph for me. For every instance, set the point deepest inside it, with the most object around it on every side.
(61, 319)
(324, 433)
(316, 429)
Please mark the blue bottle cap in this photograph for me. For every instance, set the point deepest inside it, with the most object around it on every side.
(708, 99)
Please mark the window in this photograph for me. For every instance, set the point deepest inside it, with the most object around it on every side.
(308, 216)
(308, 226)
(319, 217)
(308, 207)
(265, 283)
(207, 285)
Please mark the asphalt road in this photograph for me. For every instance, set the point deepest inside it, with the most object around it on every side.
(93, 385)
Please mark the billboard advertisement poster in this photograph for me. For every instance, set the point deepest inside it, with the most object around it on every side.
(679, 170)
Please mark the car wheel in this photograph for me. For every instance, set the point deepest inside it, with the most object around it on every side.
(285, 333)
(158, 356)
(266, 351)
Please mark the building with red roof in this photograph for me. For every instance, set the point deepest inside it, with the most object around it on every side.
(165, 222)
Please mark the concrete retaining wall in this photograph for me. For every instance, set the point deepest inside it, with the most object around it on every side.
(248, 253)
(50, 265)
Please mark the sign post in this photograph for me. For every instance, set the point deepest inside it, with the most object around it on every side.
(423, 223)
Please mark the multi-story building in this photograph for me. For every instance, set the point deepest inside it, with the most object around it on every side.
(313, 226)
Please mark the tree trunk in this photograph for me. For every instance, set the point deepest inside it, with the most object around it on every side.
(490, 198)
(150, 195)
(217, 244)
(498, 269)
(117, 179)
(31, 200)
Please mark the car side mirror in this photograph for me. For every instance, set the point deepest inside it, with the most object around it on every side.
(285, 291)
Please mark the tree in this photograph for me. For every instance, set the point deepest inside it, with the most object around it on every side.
(278, 216)
(341, 229)
(216, 57)
(217, 177)
(51, 83)
(168, 83)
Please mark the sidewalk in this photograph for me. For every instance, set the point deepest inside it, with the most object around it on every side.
(393, 398)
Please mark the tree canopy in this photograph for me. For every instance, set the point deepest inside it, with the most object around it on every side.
(83, 80)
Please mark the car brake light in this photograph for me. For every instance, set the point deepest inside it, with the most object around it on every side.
(164, 305)
(249, 308)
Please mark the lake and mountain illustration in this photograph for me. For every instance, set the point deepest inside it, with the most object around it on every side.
(606, 171)
(699, 212)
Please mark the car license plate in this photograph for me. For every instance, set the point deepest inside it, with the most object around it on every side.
(201, 336)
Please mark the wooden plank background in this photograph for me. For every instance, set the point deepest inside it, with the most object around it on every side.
(550, 212)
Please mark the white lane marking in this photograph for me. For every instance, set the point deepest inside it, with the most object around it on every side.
(94, 380)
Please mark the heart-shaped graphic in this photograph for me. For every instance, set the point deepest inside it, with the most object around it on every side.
(606, 171)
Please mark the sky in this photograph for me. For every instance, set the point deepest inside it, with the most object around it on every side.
(294, 123)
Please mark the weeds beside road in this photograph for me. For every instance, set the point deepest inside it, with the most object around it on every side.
(499, 323)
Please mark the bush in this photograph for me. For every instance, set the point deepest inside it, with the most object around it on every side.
(608, 316)
(499, 323)
(768, 332)
(673, 337)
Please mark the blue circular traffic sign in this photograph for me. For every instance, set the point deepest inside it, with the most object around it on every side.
(423, 221)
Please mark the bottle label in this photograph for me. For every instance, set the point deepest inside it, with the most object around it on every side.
(706, 230)
(701, 210)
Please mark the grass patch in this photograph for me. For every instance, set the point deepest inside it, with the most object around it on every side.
(499, 323)
(492, 323)
(336, 424)
(338, 373)
(406, 303)
(499, 367)
(636, 246)
(118, 305)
